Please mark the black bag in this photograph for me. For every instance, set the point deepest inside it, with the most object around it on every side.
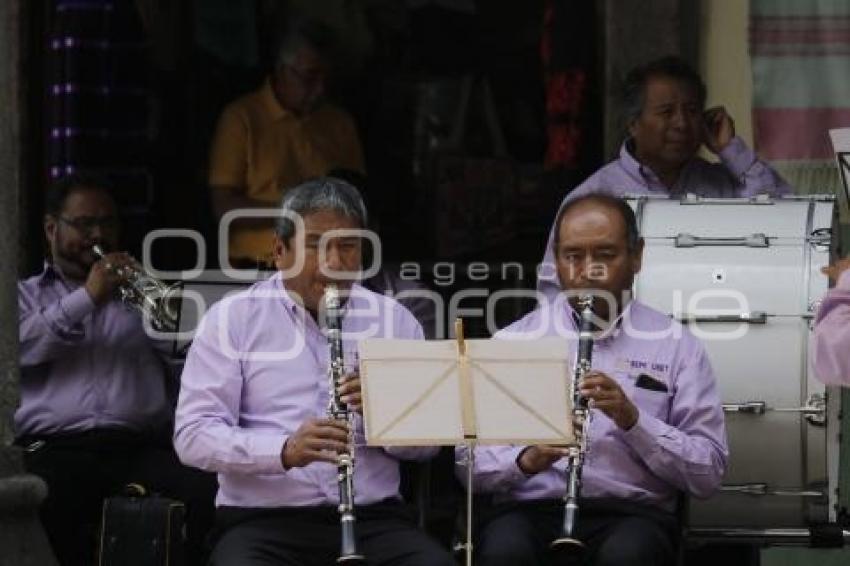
(140, 530)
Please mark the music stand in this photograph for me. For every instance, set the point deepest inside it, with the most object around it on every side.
(469, 392)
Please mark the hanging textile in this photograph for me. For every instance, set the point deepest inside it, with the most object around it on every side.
(800, 53)
(566, 49)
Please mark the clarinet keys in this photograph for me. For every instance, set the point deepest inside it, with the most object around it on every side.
(337, 409)
(567, 543)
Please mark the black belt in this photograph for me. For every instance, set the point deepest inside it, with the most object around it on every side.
(101, 439)
(228, 516)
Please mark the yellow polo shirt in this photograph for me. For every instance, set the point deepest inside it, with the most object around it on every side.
(262, 149)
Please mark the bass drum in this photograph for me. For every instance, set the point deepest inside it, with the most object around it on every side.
(744, 274)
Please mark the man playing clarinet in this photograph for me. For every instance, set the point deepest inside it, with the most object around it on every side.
(255, 395)
(656, 426)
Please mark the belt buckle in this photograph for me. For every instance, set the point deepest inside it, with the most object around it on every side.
(34, 446)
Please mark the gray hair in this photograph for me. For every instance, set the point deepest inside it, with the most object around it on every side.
(300, 33)
(634, 88)
(324, 193)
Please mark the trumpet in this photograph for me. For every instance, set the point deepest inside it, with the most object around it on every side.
(567, 540)
(337, 409)
(147, 295)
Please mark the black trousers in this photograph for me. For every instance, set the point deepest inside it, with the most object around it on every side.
(614, 533)
(82, 469)
(310, 536)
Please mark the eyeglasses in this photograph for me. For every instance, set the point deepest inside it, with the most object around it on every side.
(86, 224)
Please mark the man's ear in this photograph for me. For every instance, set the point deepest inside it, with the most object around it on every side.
(50, 227)
(280, 251)
(637, 256)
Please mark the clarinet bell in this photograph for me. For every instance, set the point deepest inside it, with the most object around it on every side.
(349, 555)
(567, 550)
(567, 544)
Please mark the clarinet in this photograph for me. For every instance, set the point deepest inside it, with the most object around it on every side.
(338, 410)
(581, 414)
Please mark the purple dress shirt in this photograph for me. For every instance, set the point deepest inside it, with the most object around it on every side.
(256, 371)
(83, 366)
(678, 442)
(740, 173)
(831, 339)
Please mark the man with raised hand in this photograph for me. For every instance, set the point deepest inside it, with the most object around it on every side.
(663, 105)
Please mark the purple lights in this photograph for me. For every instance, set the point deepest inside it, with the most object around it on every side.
(61, 171)
(79, 6)
(71, 42)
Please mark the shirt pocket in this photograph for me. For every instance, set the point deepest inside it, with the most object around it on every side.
(655, 403)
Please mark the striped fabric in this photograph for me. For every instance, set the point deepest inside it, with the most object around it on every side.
(800, 53)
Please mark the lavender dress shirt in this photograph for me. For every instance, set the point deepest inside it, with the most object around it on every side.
(678, 442)
(831, 339)
(740, 173)
(256, 371)
(84, 366)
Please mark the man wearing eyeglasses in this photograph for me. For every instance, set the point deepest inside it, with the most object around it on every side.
(94, 415)
(277, 137)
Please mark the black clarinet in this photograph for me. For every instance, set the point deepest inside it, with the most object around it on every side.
(567, 540)
(338, 410)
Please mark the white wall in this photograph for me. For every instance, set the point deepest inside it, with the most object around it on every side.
(724, 60)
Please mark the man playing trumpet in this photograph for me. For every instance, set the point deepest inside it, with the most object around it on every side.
(94, 414)
(657, 426)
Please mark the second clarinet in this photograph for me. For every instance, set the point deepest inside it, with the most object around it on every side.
(567, 541)
(337, 409)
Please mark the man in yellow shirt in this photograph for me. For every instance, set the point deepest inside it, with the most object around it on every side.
(276, 137)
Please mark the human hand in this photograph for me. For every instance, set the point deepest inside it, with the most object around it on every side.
(540, 457)
(349, 392)
(104, 276)
(718, 130)
(316, 440)
(605, 394)
(835, 270)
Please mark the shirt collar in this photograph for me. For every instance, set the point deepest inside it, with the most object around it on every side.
(289, 303)
(270, 102)
(609, 333)
(647, 176)
(51, 273)
(632, 166)
(295, 307)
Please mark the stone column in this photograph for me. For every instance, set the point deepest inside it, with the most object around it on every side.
(22, 541)
(635, 31)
